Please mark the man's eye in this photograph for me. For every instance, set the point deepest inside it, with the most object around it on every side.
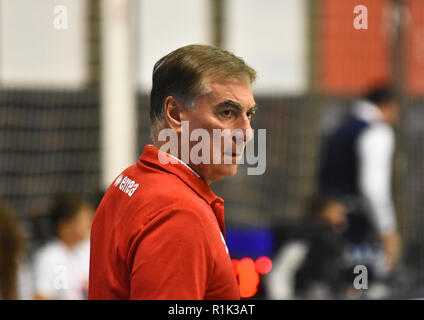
(250, 115)
(227, 113)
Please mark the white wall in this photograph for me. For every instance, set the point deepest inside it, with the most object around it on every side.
(35, 54)
(271, 35)
(163, 26)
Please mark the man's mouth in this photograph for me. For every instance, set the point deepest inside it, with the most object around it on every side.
(232, 154)
(235, 157)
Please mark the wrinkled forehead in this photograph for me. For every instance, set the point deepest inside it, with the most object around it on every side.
(226, 85)
(218, 75)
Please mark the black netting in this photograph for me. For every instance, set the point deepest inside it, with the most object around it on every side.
(49, 144)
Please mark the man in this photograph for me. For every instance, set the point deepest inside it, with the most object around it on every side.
(356, 168)
(159, 231)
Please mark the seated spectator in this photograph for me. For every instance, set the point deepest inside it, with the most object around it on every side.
(310, 263)
(61, 266)
(323, 274)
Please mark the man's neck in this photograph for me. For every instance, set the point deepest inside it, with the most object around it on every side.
(158, 144)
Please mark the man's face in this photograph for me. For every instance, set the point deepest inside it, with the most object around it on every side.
(228, 105)
(390, 112)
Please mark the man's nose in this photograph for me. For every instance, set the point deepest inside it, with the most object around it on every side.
(245, 131)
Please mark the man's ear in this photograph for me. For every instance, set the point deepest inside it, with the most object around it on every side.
(172, 110)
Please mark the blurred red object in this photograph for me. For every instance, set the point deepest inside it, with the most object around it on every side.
(248, 271)
(352, 60)
(413, 55)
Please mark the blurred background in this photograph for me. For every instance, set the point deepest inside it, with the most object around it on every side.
(75, 77)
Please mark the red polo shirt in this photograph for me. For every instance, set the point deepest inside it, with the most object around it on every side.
(159, 234)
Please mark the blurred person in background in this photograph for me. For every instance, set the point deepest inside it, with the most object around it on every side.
(356, 168)
(323, 272)
(61, 266)
(310, 265)
(11, 251)
(159, 232)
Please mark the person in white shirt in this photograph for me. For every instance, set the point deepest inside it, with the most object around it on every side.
(356, 168)
(61, 266)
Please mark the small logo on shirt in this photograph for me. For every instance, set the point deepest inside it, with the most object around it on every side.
(118, 180)
(126, 185)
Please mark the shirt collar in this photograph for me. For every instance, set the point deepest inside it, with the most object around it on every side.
(184, 164)
(367, 111)
(182, 171)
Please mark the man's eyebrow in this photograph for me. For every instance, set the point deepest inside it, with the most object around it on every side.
(254, 108)
(233, 104)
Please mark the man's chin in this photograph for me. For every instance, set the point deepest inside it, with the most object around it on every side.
(228, 170)
(233, 168)
(222, 171)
